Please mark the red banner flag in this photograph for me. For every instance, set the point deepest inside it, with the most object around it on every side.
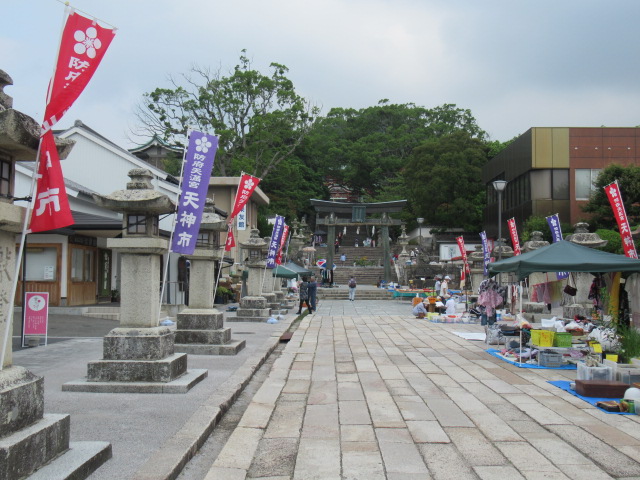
(51, 209)
(463, 252)
(82, 46)
(231, 241)
(245, 188)
(514, 236)
(615, 199)
(283, 242)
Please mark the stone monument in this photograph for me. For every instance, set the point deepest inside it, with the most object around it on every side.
(253, 307)
(200, 329)
(30, 440)
(139, 356)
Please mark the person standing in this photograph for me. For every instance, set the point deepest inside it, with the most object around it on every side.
(303, 293)
(336, 245)
(436, 287)
(343, 258)
(444, 288)
(313, 290)
(352, 289)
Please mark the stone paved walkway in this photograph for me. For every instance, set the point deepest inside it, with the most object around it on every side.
(365, 391)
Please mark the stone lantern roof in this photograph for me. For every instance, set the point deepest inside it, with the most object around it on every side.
(583, 237)
(502, 250)
(211, 221)
(254, 242)
(535, 242)
(139, 197)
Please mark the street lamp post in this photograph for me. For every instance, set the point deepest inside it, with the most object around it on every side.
(499, 186)
(420, 222)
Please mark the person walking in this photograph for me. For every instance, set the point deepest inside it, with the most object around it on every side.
(313, 290)
(303, 293)
(352, 289)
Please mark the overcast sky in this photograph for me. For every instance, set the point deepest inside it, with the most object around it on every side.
(515, 64)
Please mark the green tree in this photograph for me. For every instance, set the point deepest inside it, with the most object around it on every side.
(443, 181)
(367, 149)
(539, 223)
(260, 118)
(614, 241)
(598, 205)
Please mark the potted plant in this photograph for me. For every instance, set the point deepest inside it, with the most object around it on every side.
(115, 295)
(222, 295)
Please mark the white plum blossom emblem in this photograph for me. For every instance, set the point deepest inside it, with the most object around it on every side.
(248, 184)
(88, 42)
(203, 145)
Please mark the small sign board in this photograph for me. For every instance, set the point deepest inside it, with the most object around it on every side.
(36, 314)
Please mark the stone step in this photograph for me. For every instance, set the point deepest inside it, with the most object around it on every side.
(103, 315)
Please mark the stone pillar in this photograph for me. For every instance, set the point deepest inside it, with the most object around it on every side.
(386, 252)
(331, 240)
(139, 356)
(477, 268)
(200, 327)
(253, 307)
(30, 440)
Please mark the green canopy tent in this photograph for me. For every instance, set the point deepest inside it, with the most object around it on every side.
(565, 256)
(283, 272)
(298, 269)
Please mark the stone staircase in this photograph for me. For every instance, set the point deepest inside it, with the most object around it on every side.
(370, 274)
(108, 313)
(361, 294)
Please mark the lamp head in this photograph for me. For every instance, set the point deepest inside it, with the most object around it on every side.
(500, 185)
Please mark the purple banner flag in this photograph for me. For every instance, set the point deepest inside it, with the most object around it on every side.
(485, 252)
(195, 183)
(274, 244)
(556, 234)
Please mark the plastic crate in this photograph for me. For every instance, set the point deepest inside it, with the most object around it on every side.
(601, 372)
(549, 358)
(542, 338)
(562, 339)
(624, 372)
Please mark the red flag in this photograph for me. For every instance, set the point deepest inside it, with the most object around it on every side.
(82, 46)
(231, 241)
(283, 241)
(245, 188)
(514, 236)
(51, 209)
(615, 199)
(463, 252)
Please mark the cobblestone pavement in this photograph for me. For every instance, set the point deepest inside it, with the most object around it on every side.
(365, 391)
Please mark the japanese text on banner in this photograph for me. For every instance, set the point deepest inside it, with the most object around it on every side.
(274, 243)
(619, 212)
(485, 252)
(195, 183)
(556, 233)
(514, 236)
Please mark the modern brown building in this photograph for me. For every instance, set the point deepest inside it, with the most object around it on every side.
(552, 170)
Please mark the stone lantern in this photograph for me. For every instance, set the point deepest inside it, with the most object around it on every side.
(403, 257)
(266, 282)
(583, 280)
(200, 326)
(139, 356)
(476, 259)
(30, 440)
(253, 307)
(534, 242)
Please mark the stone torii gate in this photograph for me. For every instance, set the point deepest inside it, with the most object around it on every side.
(343, 214)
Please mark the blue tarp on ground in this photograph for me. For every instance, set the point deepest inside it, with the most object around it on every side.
(497, 354)
(565, 385)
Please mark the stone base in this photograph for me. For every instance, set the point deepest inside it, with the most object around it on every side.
(248, 319)
(26, 450)
(21, 399)
(231, 348)
(80, 461)
(180, 385)
(570, 311)
(165, 370)
(135, 343)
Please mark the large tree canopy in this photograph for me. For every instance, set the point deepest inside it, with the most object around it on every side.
(366, 149)
(260, 118)
(598, 205)
(443, 181)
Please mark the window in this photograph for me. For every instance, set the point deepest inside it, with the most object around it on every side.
(137, 224)
(560, 187)
(82, 269)
(585, 182)
(5, 178)
(41, 264)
